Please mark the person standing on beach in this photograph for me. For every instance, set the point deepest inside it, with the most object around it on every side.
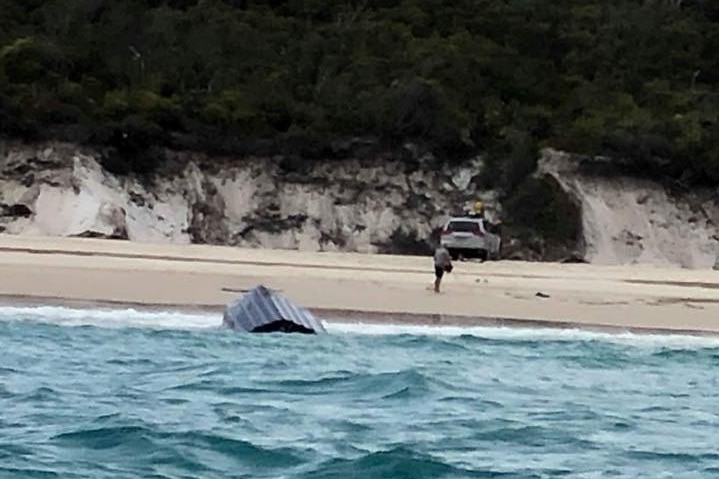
(442, 264)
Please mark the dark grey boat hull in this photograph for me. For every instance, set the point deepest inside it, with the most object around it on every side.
(263, 311)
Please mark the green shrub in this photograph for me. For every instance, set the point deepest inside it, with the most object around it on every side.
(635, 80)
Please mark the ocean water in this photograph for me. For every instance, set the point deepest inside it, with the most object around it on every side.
(126, 394)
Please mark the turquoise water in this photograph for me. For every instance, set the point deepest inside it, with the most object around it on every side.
(123, 394)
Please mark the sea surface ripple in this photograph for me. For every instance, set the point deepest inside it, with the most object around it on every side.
(126, 394)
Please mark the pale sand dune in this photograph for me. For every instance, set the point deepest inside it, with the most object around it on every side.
(355, 286)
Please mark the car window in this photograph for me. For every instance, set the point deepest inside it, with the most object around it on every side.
(463, 227)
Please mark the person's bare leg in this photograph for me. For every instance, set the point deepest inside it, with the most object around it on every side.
(437, 282)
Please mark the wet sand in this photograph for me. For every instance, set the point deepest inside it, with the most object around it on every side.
(354, 287)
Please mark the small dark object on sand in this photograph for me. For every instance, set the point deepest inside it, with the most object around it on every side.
(542, 295)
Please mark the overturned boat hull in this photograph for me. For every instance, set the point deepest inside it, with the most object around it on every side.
(263, 311)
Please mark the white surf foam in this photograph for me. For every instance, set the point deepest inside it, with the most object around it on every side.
(123, 318)
(679, 341)
(110, 318)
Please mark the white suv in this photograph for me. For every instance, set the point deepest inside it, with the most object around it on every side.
(467, 236)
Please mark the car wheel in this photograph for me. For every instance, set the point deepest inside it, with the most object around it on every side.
(454, 254)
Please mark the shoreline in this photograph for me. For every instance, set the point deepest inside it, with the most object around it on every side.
(339, 316)
(357, 288)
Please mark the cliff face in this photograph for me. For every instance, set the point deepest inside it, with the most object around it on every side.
(380, 205)
(628, 220)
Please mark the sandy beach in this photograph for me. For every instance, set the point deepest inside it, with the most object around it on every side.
(355, 287)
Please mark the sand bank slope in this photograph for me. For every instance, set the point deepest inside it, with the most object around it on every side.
(370, 287)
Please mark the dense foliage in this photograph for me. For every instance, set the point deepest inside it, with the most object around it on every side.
(635, 79)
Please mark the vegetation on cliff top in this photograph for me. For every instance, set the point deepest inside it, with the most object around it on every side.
(637, 80)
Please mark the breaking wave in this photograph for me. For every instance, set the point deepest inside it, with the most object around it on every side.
(177, 320)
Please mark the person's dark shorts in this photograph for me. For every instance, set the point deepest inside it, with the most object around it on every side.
(438, 272)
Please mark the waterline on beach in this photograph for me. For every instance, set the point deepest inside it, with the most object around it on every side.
(178, 320)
